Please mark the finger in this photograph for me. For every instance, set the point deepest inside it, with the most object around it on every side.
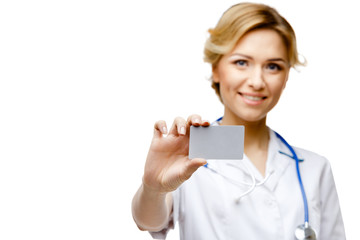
(194, 119)
(205, 123)
(178, 127)
(160, 128)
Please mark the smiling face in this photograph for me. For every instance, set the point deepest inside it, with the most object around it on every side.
(252, 76)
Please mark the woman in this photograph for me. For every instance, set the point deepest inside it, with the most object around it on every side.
(251, 51)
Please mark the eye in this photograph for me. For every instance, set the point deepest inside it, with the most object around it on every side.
(241, 63)
(273, 67)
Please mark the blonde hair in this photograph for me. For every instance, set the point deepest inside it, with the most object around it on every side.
(241, 19)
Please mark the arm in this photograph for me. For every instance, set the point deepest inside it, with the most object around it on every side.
(332, 226)
(167, 167)
(151, 210)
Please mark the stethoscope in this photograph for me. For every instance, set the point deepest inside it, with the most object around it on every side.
(303, 231)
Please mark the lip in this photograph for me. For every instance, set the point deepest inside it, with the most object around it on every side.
(252, 99)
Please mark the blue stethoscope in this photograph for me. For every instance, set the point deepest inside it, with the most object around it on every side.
(304, 231)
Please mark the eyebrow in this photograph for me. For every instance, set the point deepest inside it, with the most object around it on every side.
(249, 57)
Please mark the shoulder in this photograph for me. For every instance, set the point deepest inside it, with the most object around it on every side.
(312, 157)
(279, 142)
(310, 161)
(314, 165)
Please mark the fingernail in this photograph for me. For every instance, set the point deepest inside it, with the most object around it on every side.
(164, 130)
(197, 121)
(182, 130)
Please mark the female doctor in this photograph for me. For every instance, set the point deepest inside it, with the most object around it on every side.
(267, 194)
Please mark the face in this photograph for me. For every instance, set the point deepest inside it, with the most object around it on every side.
(252, 76)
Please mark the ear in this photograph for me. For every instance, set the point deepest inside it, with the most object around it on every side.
(215, 74)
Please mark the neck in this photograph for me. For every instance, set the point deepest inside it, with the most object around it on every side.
(256, 133)
(256, 140)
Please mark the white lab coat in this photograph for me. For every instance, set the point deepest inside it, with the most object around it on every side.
(206, 209)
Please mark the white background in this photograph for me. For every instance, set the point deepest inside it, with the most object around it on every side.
(82, 83)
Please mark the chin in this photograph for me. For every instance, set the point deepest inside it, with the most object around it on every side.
(245, 115)
(255, 120)
(251, 116)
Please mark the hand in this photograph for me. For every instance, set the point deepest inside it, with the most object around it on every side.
(167, 164)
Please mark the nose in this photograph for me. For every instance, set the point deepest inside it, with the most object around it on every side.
(256, 79)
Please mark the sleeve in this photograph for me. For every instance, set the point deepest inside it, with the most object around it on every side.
(332, 225)
(173, 218)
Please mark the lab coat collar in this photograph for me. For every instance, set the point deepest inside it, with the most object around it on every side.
(279, 159)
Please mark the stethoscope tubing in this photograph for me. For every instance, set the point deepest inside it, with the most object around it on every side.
(295, 157)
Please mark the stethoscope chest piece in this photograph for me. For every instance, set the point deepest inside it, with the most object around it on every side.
(304, 231)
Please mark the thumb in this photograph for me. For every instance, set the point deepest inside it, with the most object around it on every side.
(193, 165)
